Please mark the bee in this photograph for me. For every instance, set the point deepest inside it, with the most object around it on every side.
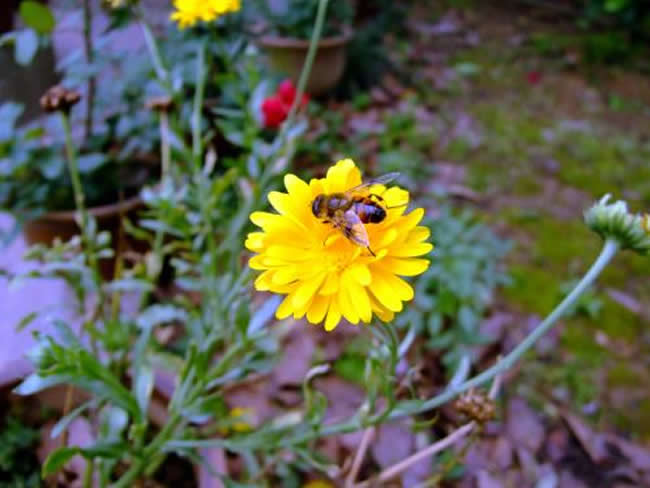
(350, 210)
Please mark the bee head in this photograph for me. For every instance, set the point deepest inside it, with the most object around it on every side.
(317, 206)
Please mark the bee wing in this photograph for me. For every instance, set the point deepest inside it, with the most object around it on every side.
(354, 229)
(380, 180)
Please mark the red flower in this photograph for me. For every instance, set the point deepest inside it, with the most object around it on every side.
(276, 107)
(533, 77)
(287, 93)
(275, 111)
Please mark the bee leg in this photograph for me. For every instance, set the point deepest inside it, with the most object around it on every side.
(370, 251)
(398, 206)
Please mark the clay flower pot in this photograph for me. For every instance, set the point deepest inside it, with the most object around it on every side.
(61, 224)
(287, 55)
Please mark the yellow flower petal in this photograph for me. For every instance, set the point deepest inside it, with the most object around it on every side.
(285, 309)
(318, 309)
(307, 290)
(385, 294)
(333, 316)
(400, 288)
(360, 273)
(412, 250)
(359, 299)
(347, 308)
(404, 267)
(331, 285)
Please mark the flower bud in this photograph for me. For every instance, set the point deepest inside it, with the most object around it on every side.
(58, 98)
(614, 221)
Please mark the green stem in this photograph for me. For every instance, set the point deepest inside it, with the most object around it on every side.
(609, 250)
(309, 61)
(165, 147)
(139, 465)
(88, 474)
(197, 148)
(71, 158)
(90, 57)
(79, 198)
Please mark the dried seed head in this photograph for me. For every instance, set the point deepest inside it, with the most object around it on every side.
(59, 99)
(160, 104)
(476, 405)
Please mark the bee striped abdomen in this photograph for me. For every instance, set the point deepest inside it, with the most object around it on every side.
(369, 211)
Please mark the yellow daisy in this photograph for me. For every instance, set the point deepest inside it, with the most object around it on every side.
(325, 276)
(189, 12)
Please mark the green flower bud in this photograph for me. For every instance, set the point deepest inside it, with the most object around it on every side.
(614, 221)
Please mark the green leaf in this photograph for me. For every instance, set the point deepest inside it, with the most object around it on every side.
(143, 386)
(26, 320)
(52, 167)
(263, 314)
(57, 459)
(90, 162)
(35, 383)
(26, 46)
(613, 6)
(113, 421)
(9, 113)
(160, 314)
(37, 16)
(63, 423)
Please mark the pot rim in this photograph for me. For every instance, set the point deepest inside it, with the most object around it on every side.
(97, 212)
(294, 42)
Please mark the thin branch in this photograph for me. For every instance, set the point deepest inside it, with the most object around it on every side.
(368, 435)
(397, 469)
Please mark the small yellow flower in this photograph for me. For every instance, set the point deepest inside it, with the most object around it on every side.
(324, 275)
(242, 419)
(189, 12)
(318, 484)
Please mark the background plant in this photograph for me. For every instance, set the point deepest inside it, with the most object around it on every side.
(295, 18)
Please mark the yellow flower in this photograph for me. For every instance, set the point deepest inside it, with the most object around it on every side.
(189, 12)
(242, 419)
(318, 484)
(324, 275)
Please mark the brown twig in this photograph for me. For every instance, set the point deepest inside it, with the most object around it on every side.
(368, 434)
(395, 470)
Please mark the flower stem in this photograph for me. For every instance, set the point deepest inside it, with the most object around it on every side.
(90, 57)
(197, 148)
(309, 61)
(71, 158)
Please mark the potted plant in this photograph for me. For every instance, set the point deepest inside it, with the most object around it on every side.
(286, 40)
(35, 188)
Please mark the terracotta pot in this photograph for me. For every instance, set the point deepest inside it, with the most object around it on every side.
(46, 228)
(287, 55)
